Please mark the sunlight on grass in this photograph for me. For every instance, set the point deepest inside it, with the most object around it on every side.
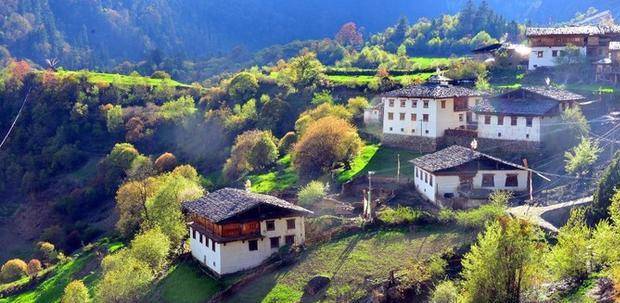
(185, 283)
(282, 178)
(359, 163)
(118, 79)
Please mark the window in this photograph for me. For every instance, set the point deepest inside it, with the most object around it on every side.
(402, 130)
(414, 103)
(194, 234)
(540, 54)
(487, 120)
(430, 179)
(417, 175)
(413, 131)
(426, 131)
(443, 103)
(528, 121)
(513, 121)
(253, 245)
(554, 53)
(414, 117)
(488, 180)
(512, 180)
(425, 117)
(200, 239)
(289, 240)
(212, 245)
(499, 135)
(271, 225)
(274, 242)
(402, 103)
(206, 242)
(527, 136)
(391, 101)
(390, 116)
(425, 103)
(402, 116)
(460, 117)
(500, 120)
(425, 177)
(290, 224)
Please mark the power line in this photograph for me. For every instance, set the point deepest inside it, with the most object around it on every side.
(15, 120)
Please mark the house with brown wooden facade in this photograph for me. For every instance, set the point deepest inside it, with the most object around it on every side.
(231, 230)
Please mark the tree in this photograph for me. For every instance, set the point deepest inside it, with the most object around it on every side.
(131, 199)
(570, 257)
(13, 270)
(264, 153)
(47, 250)
(160, 74)
(34, 267)
(445, 292)
(606, 236)
(357, 105)
(348, 35)
(165, 162)
(606, 188)
(503, 264)
(326, 142)
(253, 150)
(576, 126)
(306, 69)
(311, 193)
(114, 118)
(322, 97)
(125, 279)
(151, 247)
(75, 292)
(122, 155)
(580, 159)
(286, 143)
(324, 110)
(242, 87)
(141, 168)
(179, 109)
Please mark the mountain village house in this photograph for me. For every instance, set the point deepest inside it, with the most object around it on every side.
(549, 43)
(232, 230)
(459, 177)
(418, 116)
(608, 69)
(522, 118)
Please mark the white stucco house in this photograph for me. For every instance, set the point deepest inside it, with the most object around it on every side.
(232, 230)
(460, 177)
(417, 116)
(524, 117)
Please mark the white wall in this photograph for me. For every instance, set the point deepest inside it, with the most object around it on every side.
(500, 179)
(424, 187)
(547, 60)
(236, 256)
(448, 184)
(438, 119)
(205, 254)
(508, 131)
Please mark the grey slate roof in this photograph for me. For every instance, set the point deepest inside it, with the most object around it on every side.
(554, 93)
(228, 202)
(564, 30)
(432, 90)
(614, 45)
(454, 156)
(515, 107)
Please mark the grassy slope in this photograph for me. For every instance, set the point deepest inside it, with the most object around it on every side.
(282, 178)
(185, 283)
(365, 80)
(349, 262)
(118, 79)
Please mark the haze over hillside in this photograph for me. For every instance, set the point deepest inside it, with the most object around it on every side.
(102, 33)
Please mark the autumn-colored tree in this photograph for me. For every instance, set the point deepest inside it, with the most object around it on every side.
(324, 144)
(242, 87)
(306, 70)
(47, 251)
(324, 110)
(131, 199)
(13, 270)
(134, 129)
(34, 267)
(253, 150)
(165, 162)
(75, 292)
(348, 35)
(357, 105)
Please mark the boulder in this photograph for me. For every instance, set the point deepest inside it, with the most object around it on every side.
(316, 284)
(602, 291)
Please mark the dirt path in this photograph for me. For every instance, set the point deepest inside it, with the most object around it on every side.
(540, 215)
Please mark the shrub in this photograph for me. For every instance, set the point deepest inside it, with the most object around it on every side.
(579, 159)
(311, 193)
(34, 266)
(47, 250)
(479, 217)
(399, 215)
(160, 74)
(445, 292)
(13, 270)
(166, 162)
(75, 292)
(605, 189)
(151, 247)
(570, 257)
(242, 87)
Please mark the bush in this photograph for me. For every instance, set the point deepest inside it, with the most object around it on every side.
(242, 87)
(166, 162)
(579, 159)
(34, 267)
(160, 74)
(445, 292)
(479, 217)
(151, 247)
(75, 292)
(311, 193)
(47, 250)
(606, 188)
(571, 256)
(400, 215)
(13, 270)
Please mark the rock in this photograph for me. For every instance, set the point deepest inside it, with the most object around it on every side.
(602, 291)
(316, 284)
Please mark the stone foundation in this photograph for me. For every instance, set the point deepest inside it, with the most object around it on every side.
(414, 143)
(494, 145)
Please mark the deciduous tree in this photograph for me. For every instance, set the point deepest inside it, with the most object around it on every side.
(75, 292)
(348, 35)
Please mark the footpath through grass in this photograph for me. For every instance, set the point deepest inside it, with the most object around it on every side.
(350, 262)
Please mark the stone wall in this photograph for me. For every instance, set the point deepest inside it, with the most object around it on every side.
(414, 143)
(494, 146)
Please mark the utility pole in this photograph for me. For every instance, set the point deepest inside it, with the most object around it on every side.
(397, 168)
(368, 209)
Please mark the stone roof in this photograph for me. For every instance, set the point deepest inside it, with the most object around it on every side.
(522, 107)
(432, 90)
(454, 156)
(554, 93)
(614, 45)
(229, 202)
(564, 30)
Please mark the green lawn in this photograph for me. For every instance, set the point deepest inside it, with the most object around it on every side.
(350, 261)
(282, 178)
(366, 80)
(118, 79)
(359, 163)
(384, 162)
(51, 289)
(186, 283)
